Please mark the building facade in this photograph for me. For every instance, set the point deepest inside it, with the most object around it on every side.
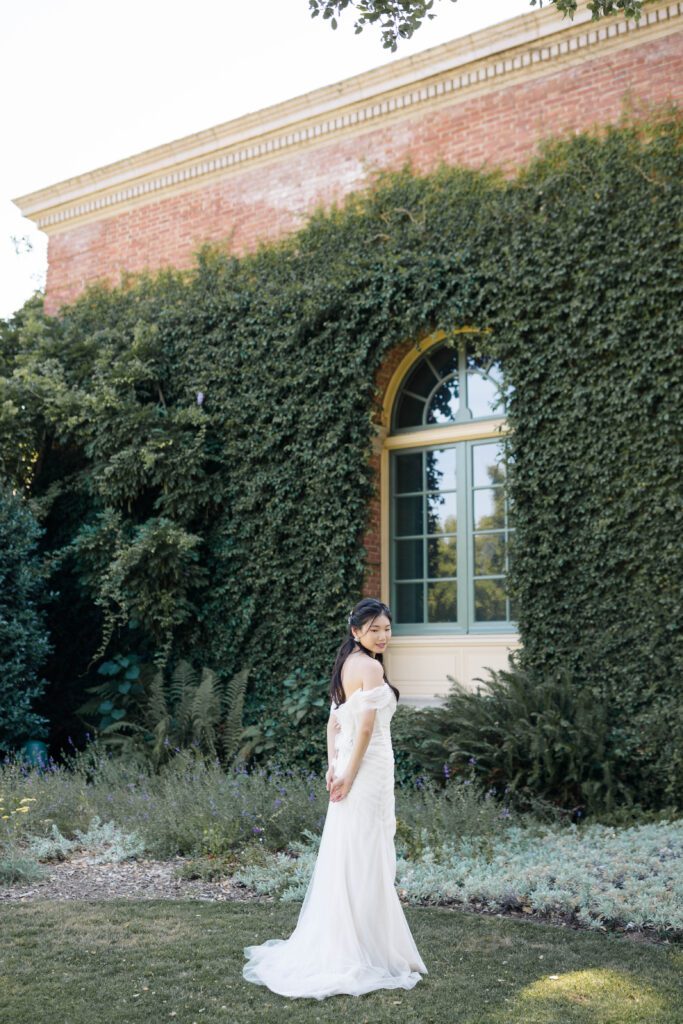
(438, 531)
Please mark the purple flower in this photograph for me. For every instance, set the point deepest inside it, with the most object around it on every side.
(200, 397)
(277, 801)
(256, 829)
(472, 760)
(446, 771)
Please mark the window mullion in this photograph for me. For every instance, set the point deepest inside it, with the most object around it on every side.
(462, 559)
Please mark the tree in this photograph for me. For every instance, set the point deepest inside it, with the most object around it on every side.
(401, 18)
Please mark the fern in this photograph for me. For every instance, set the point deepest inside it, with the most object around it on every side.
(546, 738)
(206, 712)
(189, 709)
(233, 709)
(183, 682)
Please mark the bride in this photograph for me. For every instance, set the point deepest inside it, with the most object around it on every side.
(351, 935)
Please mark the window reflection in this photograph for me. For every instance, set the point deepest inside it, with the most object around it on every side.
(441, 556)
(443, 407)
(440, 469)
(489, 509)
(490, 532)
(442, 602)
(441, 513)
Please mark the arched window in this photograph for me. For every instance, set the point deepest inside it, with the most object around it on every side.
(449, 519)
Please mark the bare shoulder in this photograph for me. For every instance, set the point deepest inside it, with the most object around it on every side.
(373, 674)
(361, 672)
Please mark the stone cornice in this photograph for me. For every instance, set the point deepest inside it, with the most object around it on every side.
(519, 48)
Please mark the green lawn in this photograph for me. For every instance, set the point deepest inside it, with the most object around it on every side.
(139, 962)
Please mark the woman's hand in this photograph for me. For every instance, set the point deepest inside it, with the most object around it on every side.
(340, 788)
(329, 776)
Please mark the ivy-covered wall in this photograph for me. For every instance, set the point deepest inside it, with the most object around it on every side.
(204, 438)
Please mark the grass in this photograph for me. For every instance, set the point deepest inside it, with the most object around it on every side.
(88, 962)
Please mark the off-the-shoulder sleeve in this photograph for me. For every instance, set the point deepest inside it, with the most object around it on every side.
(377, 697)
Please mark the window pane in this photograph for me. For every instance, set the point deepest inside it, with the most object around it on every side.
(489, 509)
(409, 518)
(409, 472)
(440, 469)
(441, 513)
(487, 464)
(422, 380)
(489, 554)
(445, 360)
(409, 563)
(410, 412)
(441, 556)
(409, 602)
(483, 397)
(442, 601)
(489, 601)
(444, 405)
(485, 364)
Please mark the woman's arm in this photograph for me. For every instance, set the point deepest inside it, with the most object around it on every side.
(332, 727)
(342, 784)
(366, 724)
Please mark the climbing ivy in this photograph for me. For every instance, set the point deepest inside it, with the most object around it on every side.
(197, 442)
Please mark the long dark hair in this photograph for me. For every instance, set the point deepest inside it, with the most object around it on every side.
(368, 608)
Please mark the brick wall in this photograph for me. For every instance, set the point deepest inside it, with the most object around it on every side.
(267, 200)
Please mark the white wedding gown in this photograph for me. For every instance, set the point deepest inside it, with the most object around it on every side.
(351, 935)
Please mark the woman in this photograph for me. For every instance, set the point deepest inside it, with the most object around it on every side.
(351, 935)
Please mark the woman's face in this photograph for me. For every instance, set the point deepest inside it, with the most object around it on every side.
(374, 635)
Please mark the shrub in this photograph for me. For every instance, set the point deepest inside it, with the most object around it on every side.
(24, 642)
(543, 739)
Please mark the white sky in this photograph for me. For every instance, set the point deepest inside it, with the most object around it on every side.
(88, 82)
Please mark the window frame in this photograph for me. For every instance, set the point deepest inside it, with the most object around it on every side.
(462, 435)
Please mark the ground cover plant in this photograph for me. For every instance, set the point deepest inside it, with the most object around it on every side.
(604, 878)
(456, 845)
